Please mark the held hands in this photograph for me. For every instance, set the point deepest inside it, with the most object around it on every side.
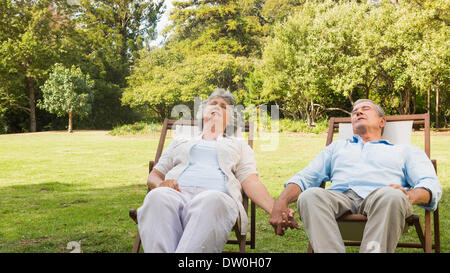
(171, 183)
(282, 217)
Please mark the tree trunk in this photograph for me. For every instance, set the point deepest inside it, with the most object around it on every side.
(437, 105)
(407, 100)
(350, 98)
(69, 130)
(32, 104)
(428, 100)
(313, 115)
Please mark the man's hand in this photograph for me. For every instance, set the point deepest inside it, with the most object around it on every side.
(171, 183)
(282, 217)
(415, 196)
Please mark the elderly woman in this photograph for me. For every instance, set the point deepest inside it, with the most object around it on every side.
(196, 197)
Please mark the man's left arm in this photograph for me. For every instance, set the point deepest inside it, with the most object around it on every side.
(417, 196)
(420, 174)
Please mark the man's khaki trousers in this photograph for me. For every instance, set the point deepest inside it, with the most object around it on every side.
(386, 209)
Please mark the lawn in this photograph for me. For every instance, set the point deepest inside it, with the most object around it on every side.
(58, 187)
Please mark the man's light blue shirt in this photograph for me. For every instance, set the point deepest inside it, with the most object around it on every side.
(364, 167)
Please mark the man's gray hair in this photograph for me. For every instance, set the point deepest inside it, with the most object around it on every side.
(378, 108)
(229, 98)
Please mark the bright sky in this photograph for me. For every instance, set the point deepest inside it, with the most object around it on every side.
(162, 23)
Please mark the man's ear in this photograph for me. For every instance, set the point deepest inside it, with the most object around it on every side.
(383, 122)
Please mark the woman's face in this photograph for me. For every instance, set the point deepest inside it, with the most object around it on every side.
(217, 111)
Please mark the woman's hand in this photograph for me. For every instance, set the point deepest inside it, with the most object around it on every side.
(171, 183)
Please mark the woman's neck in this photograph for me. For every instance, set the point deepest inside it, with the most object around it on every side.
(210, 133)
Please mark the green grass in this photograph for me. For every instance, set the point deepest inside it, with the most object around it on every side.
(57, 187)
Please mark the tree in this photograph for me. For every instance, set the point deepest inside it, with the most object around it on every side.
(32, 39)
(428, 60)
(305, 60)
(165, 77)
(220, 26)
(103, 38)
(391, 53)
(112, 35)
(115, 31)
(67, 92)
(212, 45)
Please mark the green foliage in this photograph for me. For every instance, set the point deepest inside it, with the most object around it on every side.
(168, 76)
(110, 40)
(301, 126)
(33, 36)
(103, 38)
(217, 26)
(67, 90)
(311, 58)
(137, 128)
(390, 53)
(307, 54)
(213, 44)
(114, 32)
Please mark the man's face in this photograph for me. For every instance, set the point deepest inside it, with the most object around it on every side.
(364, 117)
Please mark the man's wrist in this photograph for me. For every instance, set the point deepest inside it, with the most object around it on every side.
(290, 193)
(417, 199)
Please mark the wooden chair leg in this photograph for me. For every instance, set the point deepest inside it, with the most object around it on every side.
(428, 242)
(253, 226)
(437, 238)
(310, 249)
(242, 241)
(137, 243)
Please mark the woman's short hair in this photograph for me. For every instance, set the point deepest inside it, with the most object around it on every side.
(226, 95)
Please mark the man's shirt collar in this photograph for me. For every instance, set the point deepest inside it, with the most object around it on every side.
(357, 139)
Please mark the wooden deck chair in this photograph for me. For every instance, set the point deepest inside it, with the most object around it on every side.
(398, 131)
(187, 128)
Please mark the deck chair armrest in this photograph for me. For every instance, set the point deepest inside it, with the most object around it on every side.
(151, 164)
(434, 162)
(133, 215)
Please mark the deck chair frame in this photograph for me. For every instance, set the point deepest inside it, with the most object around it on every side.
(241, 240)
(424, 235)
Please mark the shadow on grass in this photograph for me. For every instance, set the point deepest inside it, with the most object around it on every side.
(45, 217)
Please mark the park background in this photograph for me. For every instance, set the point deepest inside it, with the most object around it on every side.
(110, 71)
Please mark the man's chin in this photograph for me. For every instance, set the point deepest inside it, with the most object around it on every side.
(359, 129)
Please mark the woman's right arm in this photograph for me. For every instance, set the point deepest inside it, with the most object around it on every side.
(155, 178)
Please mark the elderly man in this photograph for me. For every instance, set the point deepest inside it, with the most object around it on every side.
(369, 176)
